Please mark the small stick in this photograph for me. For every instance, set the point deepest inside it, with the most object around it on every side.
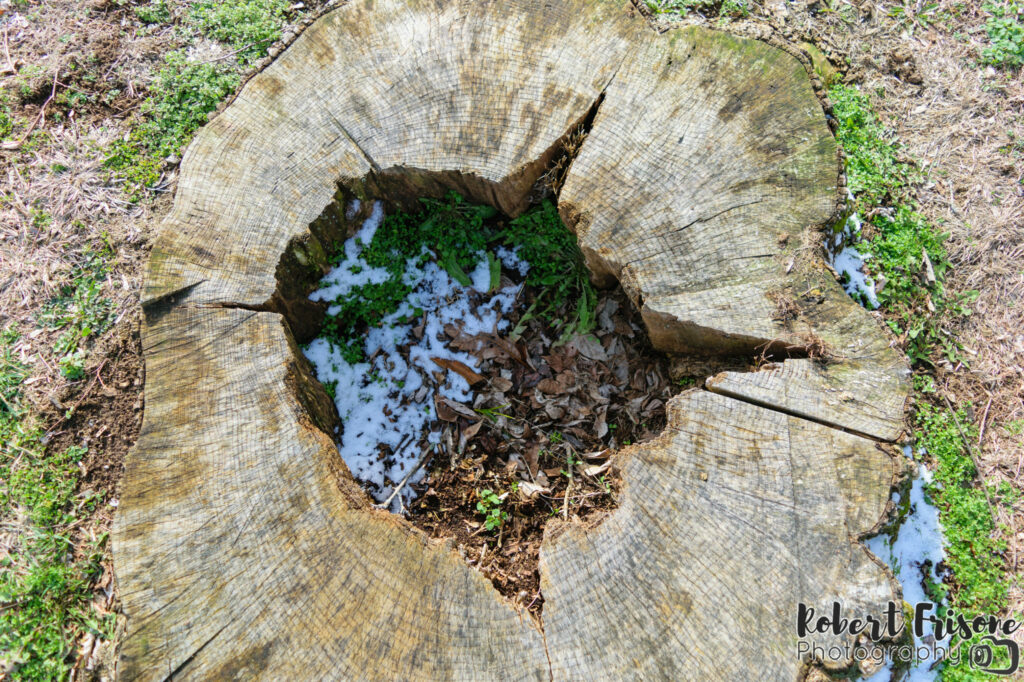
(984, 418)
(39, 117)
(234, 52)
(423, 458)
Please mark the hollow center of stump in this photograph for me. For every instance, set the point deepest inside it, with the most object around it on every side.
(483, 385)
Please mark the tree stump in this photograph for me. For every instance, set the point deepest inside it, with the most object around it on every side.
(243, 548)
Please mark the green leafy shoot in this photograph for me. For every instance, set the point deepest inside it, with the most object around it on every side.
(490, 506)
(1005, 34)
(455, 234)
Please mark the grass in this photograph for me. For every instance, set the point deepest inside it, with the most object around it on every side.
(45, 584)
(711, 8)
(46, 580)
(184, 91)
(973, 554)
(183, 95)
(908, 254)
(455, 233)
(1005, 34)
(80, 310)
(907, 251)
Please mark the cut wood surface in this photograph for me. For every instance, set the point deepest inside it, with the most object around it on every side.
(730, 518)
(244, 549)
(427, 95)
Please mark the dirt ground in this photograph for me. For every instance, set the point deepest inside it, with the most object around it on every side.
(957, 118)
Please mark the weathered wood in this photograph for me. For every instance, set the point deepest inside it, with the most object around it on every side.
(412, 98)
(244, 549)
(707, 168)
(728, 520)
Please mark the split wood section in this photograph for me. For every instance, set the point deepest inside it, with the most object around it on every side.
(244, 549)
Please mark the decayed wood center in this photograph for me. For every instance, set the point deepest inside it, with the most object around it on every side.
(243, 548)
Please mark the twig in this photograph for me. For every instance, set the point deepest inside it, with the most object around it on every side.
(39, 116)
(7, 53)
(234, 52)
(984, 418)
(81, 398)
(423, 458)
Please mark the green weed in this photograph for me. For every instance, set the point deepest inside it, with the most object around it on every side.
(973, 555)
(720, 8)
(6, 118)
(680, 6)
(182, 97)
(455, 233)
(44, 588)
(906, 249)
(80, 310)
(1005, 34)
(490, 506)
(185, 92)
(247, 26)
(156, 12)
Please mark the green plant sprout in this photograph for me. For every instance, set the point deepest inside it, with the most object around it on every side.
(490, 506)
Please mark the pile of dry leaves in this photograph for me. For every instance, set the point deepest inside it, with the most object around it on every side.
(541, 435)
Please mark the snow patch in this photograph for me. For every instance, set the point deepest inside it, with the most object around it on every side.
(847, 260)
(388, 400)
(917, 542)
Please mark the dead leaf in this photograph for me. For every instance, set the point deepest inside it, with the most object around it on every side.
(550, 386)
(532, 458)
(460, 368)
(500, 384)
(457, 408)
(596, 469)
(588, 346)
(444, 411)
(472, 430)
(529, 491)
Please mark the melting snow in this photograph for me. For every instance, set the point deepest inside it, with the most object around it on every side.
(847, 260)
(389, 400)
(918, 540)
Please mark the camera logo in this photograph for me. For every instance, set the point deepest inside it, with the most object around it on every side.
(983, 656)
